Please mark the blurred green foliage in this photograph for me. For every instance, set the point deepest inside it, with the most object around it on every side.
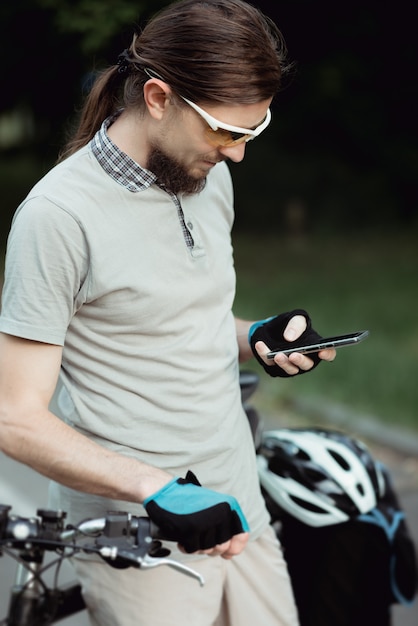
(346, 283)
(96, 22)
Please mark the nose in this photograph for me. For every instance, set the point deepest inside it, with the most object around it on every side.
(234, 153)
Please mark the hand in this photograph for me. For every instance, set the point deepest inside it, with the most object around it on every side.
(295, 362)
(274, 334)
(198, 519)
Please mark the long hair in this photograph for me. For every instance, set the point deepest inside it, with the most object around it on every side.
(209, 51)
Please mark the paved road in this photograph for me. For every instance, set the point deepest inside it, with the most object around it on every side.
(26, 491)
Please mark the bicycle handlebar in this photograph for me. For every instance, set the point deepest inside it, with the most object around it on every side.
(120, 538)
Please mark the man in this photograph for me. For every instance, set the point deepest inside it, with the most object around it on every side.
(119, 351)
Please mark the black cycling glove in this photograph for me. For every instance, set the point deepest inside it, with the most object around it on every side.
(195, 517)
(271, 332)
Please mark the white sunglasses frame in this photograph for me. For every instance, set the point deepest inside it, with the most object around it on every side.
(216, 124)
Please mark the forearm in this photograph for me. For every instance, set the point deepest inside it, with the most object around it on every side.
(57, 451)
(242, 328)
(31, 434)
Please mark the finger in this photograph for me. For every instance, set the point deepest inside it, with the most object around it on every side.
(295, 327)
(285, 364)
(327, 355)
(263, 350)
(217, 550)
(280, 359)
(302, 361)
(236, 545)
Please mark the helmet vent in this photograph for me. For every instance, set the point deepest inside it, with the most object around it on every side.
(360, 489)
(302, 455)
(308, 506)
(314, 475)
(339, 459)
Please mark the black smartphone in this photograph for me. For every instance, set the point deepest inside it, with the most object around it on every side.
(327, 342)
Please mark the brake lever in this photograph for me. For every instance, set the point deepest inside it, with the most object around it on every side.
(137, 557)
(149, 562)
(157, 555)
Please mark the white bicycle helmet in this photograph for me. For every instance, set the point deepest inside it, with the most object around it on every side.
(320, 477)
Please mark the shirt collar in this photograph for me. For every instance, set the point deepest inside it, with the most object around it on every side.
(124, 170)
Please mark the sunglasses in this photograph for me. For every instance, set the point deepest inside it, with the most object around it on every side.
(218, 133)
(225, 135)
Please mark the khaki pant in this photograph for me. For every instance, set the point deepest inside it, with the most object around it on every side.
(249, 590)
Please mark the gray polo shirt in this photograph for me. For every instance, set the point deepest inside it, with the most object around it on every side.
(99, 261)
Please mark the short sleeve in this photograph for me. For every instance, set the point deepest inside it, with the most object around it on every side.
(45, 272)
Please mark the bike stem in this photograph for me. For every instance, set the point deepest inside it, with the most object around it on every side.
(24, 599)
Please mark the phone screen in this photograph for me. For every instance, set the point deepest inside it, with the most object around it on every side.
(327, 342)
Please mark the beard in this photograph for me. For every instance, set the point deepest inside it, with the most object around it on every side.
(172, 175)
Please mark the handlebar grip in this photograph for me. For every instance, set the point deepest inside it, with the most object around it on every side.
(145, 528)
(156, 532)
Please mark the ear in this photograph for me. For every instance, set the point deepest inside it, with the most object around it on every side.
(157, 97)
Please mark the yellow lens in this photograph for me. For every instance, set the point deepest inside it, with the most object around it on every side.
(224, 138)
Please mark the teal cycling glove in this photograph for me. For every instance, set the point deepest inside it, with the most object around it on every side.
(195, 517)
(271, 332)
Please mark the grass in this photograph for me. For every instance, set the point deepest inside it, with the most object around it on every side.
(346, 284)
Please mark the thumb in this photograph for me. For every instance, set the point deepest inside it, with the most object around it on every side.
(295, 327)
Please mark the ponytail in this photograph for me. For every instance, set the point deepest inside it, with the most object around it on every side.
(103, 100)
